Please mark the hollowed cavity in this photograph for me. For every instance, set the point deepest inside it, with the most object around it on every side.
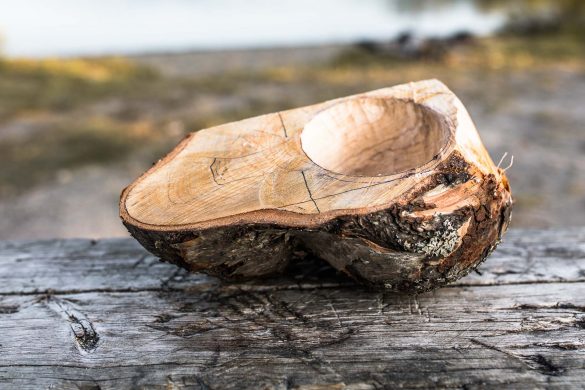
(374, 136)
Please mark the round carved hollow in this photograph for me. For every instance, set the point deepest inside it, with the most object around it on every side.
(374, 137)
(392, 187)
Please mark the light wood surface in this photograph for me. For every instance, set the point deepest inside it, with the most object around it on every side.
(356, 153)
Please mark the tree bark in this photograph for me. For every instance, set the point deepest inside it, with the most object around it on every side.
(392, 187)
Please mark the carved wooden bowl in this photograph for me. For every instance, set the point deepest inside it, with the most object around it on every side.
(392, 187)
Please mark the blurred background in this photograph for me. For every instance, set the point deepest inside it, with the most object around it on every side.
(93, 92)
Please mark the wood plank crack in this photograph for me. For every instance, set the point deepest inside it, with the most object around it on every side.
(85, 336)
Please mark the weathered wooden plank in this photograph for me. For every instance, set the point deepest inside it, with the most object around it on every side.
(525, 256)
(226, 337)
(117, 318)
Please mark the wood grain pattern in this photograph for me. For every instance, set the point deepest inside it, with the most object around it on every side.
(106, 314)
(392, 187)
(357, 153)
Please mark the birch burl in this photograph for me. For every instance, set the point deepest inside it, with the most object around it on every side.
(392, 187)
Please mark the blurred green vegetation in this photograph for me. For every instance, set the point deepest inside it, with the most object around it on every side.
(526, 17)
(532, 17)
(502, 52)
(70, 113)
(41, 156)
(63, 84)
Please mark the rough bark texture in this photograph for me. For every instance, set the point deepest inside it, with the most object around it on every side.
(107, 315)
(419, 226)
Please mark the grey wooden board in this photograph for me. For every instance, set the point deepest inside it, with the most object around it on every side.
(105, 314)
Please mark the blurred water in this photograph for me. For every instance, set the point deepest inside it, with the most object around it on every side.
(86, 27)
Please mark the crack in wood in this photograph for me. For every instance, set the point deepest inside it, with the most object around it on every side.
(494, 348)
(545, 366)
(85, 336)
(250, 287)
(366, 187)
(536, 362)
(141, 260)
(309, 191)
(558, 305)
(9, 309)
(283, 126)
(164, 284)
(215, 173)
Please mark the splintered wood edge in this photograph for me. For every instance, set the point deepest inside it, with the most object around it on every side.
(462, 137)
